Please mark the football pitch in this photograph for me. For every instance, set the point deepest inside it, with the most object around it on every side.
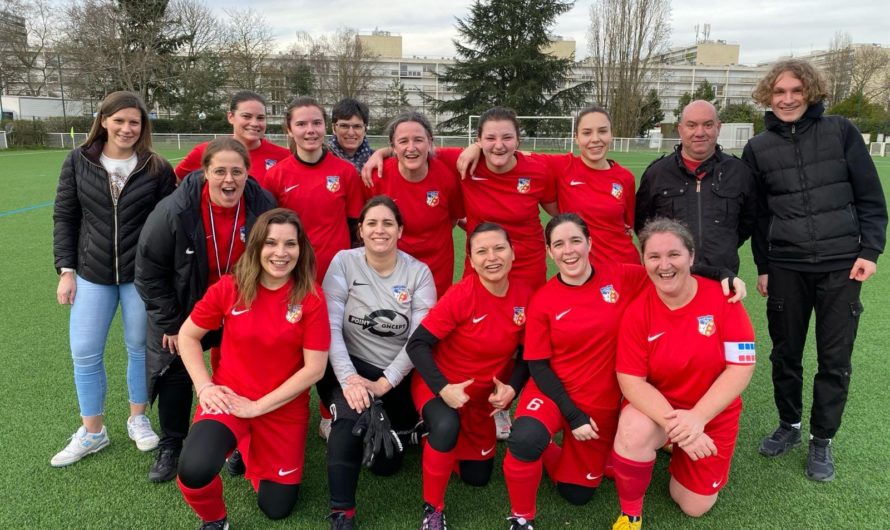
(39, 412)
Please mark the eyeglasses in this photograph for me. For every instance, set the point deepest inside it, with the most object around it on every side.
(346, 127)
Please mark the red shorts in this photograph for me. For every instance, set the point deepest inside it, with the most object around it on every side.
(277, 444)
(580, 463)
(708, 475)
(477, 439)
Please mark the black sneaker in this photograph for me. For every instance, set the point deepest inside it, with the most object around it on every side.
(164, 468)
(341, 521)
(820, 464)
(235, 464)
(521, 523)
(222, 524)
(432, 519)
(782, 440)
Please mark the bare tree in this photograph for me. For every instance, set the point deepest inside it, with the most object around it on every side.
(342, 67)
(248, 43)
(870, 74)
(26, 60)
(624, 35)
(839, 66)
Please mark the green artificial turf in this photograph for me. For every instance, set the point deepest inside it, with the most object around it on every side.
(39, 412)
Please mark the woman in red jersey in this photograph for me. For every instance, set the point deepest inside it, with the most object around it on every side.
(459, 350)
(596, 188)
(685, 355)
(428, 195)
(247, 114)
(324, 190)
(274, 348)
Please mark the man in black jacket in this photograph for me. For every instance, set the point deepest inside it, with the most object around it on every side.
(821, 226)
(703, 187)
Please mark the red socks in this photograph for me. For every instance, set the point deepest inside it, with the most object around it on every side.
(207, 502)
(631, 481)
(437, 467)
(522, 480)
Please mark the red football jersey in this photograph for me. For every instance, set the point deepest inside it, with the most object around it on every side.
(682, 352)
(262, 345)
(261, 159)
(478, 332)
(429, 209)
(324, 195)
(510, 199)
(577, 328)
(223, 227)
(604, 198)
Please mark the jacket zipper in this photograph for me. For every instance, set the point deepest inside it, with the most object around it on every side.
(803, 187)
(117, 272)
(700, 216)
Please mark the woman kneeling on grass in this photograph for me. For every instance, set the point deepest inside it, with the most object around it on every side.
(274, 348)
(684, 358)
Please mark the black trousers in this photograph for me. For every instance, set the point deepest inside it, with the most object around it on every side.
(345, 449)
(174, 391)
(793, 297)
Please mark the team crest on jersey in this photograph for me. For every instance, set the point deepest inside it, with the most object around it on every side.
(706, 325)
(401, 293)
(524, 185)
(333, 183)
(519, 316)
(294, 313)
(432, 199)
(243, 234)
(270, 162)
(617, 190)
(610, 295)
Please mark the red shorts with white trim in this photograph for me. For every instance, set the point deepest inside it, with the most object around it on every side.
(580, 462)
(707, 476)
(277, 445)
(477, 439)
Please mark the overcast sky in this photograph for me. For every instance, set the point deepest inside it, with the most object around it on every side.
(765, 29)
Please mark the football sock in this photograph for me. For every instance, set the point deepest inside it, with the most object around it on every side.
(550, 458)
(631, 481)
(437, 467)
(207, 502)
(522, 484)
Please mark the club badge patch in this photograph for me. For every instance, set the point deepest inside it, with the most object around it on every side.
(617, 190)
(243, 234)
(270, 162)
(294, 313)
(333, 183)
(401, 293)
(523, 185)
(610, 295)
(432, 199)
(519, 316)
(706, 325)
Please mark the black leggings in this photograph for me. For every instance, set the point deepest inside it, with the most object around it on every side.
(443, 423)
(204, 454)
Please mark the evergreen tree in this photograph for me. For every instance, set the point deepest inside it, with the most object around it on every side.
(704, 91)
(651, 114)
(501, 60)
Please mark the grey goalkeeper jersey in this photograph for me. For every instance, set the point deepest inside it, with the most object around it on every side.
(372, 316)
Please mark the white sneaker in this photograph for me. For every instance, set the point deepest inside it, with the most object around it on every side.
(82, 444)
(139, 430)
(324, 428)
(502, 424)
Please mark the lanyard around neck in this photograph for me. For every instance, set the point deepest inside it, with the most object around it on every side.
(219, 269)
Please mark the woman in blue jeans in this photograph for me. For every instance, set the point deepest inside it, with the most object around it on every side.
(107, 188)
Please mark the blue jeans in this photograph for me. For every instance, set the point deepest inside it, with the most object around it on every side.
(91, 315)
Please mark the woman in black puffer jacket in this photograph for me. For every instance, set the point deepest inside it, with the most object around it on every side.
(107, 188)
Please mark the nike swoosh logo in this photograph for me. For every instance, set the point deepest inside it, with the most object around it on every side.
(576, 183)
(650, 338)
(474, 177)
(560, 315)
(357, 284)
(236, 312)
(189, 251)
(590, 476)
(715, 484)
(283, 473)
(287, 189)
(480, 319)
(486, 453)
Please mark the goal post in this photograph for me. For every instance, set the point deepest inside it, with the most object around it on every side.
(474, 118)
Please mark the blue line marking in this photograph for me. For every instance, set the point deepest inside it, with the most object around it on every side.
(27, 208)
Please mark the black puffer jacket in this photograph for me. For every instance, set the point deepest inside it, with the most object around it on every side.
(172, 266)
(821, 204)
(90, 234)
(719, 209)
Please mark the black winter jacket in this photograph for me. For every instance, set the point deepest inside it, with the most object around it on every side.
(821, 204)
(172, 266)
(719, 209)
(91, 234)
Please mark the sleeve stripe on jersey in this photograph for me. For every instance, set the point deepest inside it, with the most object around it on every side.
(739, 352)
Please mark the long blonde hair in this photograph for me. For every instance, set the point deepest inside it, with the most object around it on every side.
(249, 269)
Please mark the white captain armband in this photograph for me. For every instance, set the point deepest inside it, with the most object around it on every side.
(739, 352)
